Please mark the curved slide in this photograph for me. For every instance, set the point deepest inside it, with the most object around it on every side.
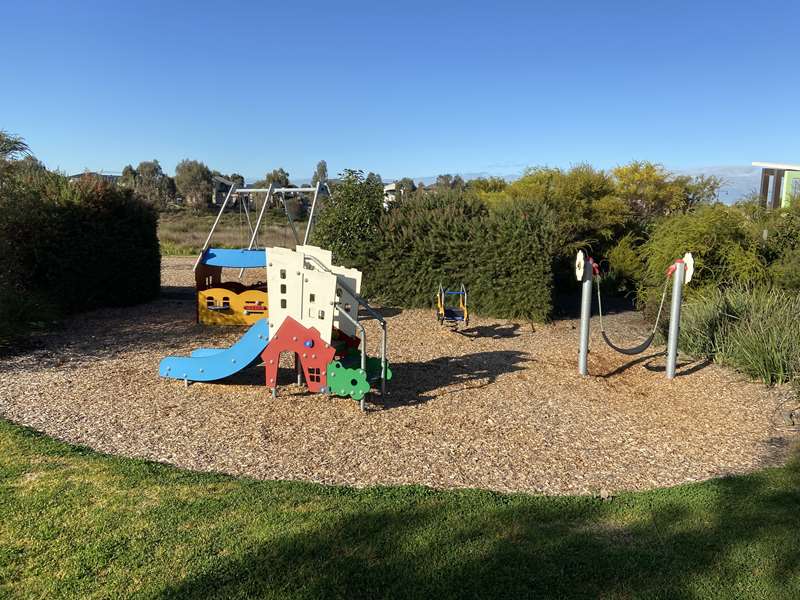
(210, 364)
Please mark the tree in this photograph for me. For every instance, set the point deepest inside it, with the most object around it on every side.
(405, 186)
(650, 190)
(30, 165)
(487, 184)
(349, 224)
(128, 177)
(703, 189)
(320, 173)
(193, 181)
(12, 147)
(153, 184)
(374, 179)
(458, 183)
(237, 179)
(279, 177)
(444, 181)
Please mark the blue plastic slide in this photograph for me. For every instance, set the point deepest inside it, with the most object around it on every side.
(210, 364)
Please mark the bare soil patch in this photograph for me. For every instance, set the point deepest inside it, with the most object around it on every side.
(497, 406)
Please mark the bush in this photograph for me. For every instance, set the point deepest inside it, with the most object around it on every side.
(504, 257)
(69, 246)
(724, 251)
(348, 223)
(513, 276)
(754, 330)
(626, 269)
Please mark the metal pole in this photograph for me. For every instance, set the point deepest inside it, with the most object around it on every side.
(586, 315)
(258, 223)
(311, 216)
(213, 227)
(299, 369)
(294, 189)
(288, 216)
(384, 345)
(675, 317)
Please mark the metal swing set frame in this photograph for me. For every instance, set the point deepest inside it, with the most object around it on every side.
(271, 192)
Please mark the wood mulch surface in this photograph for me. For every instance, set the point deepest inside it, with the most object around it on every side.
(497, 406)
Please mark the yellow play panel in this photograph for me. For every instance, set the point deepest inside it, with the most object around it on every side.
(220, 306)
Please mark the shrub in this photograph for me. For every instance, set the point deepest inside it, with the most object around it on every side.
(427, 240)
(754, 330)
(504, 257)
(625, 265)
(717, 236)
(73, 246)
(513, 275)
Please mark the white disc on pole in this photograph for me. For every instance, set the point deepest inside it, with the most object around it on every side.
(688, 260)
(579, 265)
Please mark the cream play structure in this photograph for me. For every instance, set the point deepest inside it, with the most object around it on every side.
(304, 284)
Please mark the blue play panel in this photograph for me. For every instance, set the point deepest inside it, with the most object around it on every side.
(235, 258)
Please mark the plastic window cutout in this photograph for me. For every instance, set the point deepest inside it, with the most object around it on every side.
(209, 301)
(283, 288)
(321, 314)
(226, 302)
(283, 302)
(283, 273)
(314, 375)
(348, 307)
(311, 297)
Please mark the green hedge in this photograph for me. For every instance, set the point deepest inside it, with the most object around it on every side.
(504, 257)
(70, 246)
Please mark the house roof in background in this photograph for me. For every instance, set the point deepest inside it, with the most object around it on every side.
(781, 166)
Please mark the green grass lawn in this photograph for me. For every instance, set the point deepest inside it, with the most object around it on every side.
(74, 523)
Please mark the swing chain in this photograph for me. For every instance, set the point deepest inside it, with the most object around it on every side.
(660, 306)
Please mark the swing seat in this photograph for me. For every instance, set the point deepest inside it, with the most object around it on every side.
(453, 314)
(629, 351)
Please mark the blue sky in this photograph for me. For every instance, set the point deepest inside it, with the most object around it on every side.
(409, 89)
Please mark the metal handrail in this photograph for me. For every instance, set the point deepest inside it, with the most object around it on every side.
(376, 315)
(373, 313)
(363, 336)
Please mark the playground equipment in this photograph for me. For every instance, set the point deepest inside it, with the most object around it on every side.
(448, 314)
(232, 302)
(312, 312)
(586, 270)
